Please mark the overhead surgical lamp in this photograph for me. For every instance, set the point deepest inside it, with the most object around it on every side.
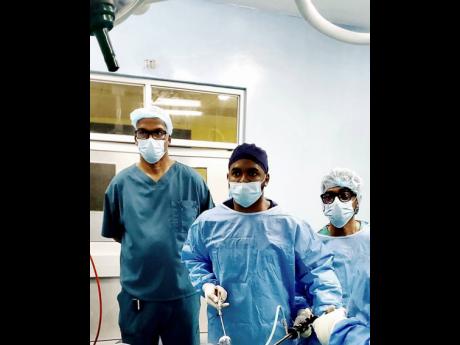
(311, 15)
(124, 8)
(104, 15)
(101, 17)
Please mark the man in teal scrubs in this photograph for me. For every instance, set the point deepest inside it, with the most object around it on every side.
(149, 208)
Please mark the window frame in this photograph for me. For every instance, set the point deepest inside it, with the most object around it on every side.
(148, 83)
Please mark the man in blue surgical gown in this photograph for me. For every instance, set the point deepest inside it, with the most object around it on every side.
(149, 208)
(346, 237)
(250, 253)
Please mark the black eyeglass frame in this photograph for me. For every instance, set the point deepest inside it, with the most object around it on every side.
(342, 194)
(157, 134)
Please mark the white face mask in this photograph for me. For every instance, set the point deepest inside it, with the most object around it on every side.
(151, 149)
(245, 194)
(339, 213)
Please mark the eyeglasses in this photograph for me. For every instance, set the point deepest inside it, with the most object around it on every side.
(344, 195)
(145, 134)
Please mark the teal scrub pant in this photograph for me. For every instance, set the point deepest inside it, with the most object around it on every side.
(144, 322)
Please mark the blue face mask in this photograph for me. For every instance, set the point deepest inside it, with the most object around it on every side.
(339, 213)
(151, 149)
(245, 194)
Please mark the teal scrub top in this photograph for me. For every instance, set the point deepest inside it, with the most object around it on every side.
(152, 219)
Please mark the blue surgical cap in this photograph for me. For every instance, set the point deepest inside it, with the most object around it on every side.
(152, 112)
(252, 152)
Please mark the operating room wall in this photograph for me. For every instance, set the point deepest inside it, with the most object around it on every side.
(307, 94)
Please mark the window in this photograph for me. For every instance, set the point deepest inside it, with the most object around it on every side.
(202, 115)
(203, 172)
(110, 106)
(100, 177)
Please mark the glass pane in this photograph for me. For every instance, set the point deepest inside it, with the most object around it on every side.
(199, 115)
(110, 106)
(100, 177)
(203, 172)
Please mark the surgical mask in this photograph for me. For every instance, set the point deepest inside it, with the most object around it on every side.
(151, 150)
(339, 213)
(245, 194)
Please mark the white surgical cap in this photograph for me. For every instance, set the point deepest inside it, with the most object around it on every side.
(341, 177)
(152, 112)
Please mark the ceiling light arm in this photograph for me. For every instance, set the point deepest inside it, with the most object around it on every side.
(311, 15)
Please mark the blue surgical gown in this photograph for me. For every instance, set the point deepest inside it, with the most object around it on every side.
(345, 250)
(152, 219)
(355, 330)
(257, 258)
